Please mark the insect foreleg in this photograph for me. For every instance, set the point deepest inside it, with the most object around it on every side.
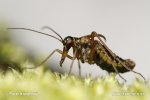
(71, 65)
(56, 50)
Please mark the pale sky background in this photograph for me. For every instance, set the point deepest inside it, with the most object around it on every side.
(125, 23)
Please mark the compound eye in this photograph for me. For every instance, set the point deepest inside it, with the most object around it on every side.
(69, 40)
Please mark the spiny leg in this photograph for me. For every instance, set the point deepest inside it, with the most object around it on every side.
(56, 50)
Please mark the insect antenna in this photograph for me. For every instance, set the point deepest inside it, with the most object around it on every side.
(36, 32)
(46, 27)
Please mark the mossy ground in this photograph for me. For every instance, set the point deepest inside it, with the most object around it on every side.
(40, 85)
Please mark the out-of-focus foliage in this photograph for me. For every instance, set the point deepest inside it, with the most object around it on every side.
(11, 56)
(39, 85)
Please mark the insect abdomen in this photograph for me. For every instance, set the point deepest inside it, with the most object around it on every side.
(105, 63)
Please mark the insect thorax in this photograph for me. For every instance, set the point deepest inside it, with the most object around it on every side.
(86, 51)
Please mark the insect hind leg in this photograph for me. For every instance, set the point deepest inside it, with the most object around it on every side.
(114, 55)
(130, 69)
(118, 72)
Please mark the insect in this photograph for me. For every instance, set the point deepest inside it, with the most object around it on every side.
(89, 49)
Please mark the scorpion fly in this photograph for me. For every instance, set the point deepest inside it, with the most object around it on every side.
(89, 49)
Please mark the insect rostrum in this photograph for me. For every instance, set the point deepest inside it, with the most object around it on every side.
(90, 49)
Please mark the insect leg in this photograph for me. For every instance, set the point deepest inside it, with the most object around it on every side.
(118, 72)
(97, 35)
(114, 55)
(130, 69)
(56, 50)
(112, 63)
(71, 65)
(79, 65)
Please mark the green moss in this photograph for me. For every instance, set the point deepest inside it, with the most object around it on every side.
(36, 84)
